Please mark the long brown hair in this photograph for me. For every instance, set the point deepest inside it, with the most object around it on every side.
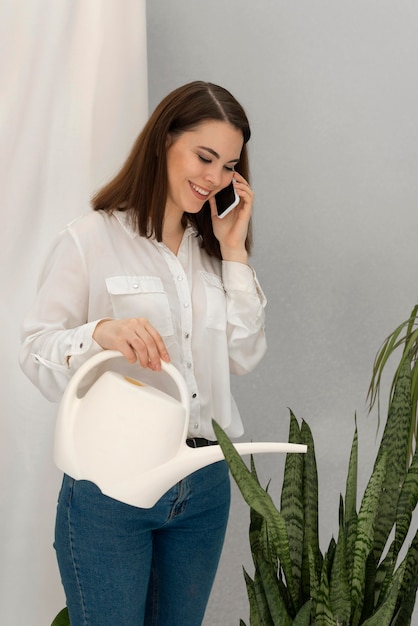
(141, 184)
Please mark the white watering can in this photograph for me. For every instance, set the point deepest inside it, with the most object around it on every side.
(129, 438)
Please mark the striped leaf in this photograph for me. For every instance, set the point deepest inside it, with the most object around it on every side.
(365, 536)
(256, 525)
(323, 613)
(395, 441)
(369, 601)
(314, 581)
(291, 503)
(383, 616)
(276, 607)
(407, 502)
(339, 584)
(261, 599)
(260, 501)
(276, 594)
(413, 428)
(383, 577)
(255, 619)
(310, 506)
(409, 585)
(350, 503)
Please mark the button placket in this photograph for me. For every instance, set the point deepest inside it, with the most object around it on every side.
(185, 310)
(186, 324)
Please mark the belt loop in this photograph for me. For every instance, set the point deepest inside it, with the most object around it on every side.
(199, 442)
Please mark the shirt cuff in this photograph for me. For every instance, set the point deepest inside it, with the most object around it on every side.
(241, 277)
(83, 346)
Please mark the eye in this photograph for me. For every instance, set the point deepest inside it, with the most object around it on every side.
(203, 159)
(229, 169)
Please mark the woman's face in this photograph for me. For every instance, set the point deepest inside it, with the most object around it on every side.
(200, 162)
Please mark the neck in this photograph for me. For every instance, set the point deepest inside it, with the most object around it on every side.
(173, 230)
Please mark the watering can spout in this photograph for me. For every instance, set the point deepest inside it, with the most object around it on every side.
(130, 438)
(146, 489)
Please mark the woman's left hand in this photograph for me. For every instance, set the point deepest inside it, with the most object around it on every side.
(231, 231)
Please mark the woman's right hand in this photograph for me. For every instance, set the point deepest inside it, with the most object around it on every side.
(135, 338)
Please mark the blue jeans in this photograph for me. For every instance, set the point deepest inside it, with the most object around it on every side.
(122, 565)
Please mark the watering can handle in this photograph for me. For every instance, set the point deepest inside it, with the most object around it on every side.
(105, 355)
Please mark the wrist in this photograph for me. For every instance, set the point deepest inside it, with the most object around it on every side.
(238, 256)
(100, 323)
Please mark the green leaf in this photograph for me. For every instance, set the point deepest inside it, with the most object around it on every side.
(350, 503)
(262, 603)
(323, 613)
(406, 505)
(256, 524)
(261, 502)
(275, 596)
(277, 610)
(395, 441)
(291, 504)
(407, 502)
(255, 619)
(365, 536)
(303, 618)
(310, 505)
(388, 347)
(409, 585)
(406, 335)
(369, 602)
(383, 616)
(339, 586)
(62, 619)
(314, 581)
(384, 576)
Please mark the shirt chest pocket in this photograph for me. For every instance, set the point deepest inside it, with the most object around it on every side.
(215, 301)
(141, 296)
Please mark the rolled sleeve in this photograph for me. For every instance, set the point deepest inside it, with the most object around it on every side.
(241, 277)
(245, 311)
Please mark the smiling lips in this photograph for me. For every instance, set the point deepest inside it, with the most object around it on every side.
(201, 193)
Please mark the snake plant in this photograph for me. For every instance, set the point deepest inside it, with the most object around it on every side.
(359, 579)
(406, 335)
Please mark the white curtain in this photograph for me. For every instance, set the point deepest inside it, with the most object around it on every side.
(73, 97)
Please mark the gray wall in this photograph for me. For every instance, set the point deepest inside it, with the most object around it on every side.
(330, 87)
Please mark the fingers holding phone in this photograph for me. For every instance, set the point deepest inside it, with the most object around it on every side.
(226, 200)
(231, 220)
(230, 197)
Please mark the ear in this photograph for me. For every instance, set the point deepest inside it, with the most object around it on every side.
(168, 141)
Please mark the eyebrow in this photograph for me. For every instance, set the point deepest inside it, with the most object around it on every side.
(216, 155)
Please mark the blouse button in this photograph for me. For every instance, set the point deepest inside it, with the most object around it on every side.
(194, 395)
(186, 305)
(135, 286)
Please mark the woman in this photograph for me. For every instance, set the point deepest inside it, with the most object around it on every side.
(154, 273)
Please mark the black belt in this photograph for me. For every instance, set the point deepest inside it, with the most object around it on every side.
(199, 442)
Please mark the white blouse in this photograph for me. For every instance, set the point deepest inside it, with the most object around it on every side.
(210, 313)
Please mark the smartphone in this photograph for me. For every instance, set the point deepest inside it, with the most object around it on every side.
(226, 200)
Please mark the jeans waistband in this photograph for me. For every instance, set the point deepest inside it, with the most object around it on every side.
(199, 442)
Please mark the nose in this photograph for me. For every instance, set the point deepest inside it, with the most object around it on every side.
(214, 175)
